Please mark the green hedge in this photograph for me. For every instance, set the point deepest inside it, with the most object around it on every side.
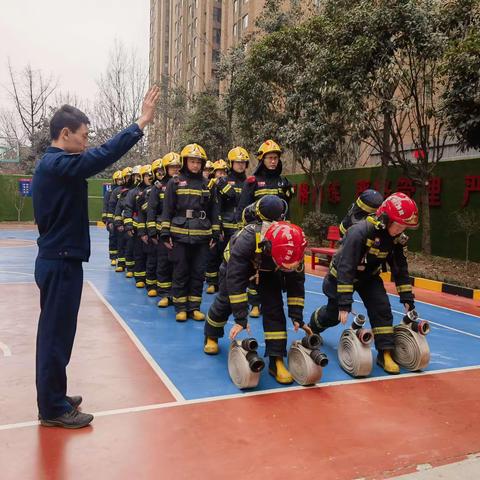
(447, 240)
(7, 207)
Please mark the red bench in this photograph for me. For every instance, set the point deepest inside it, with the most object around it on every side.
(333, 236)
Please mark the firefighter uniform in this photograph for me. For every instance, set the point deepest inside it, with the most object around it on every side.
(107, 219)
(263, 182)
(366, 204)
(356, 267)
(190, 220)
(243, 258)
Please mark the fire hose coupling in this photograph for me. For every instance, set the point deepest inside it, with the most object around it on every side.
(244, 364)
(419, 326)
(313, 343)
(305, 360)
(365, 335)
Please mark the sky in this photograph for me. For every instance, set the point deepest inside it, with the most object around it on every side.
(69, 40)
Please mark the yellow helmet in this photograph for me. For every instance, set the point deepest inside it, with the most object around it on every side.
(238, 154)
(117, 175)
(136, 170)
(145, 170)
(220, 165)
(156, 164)
(127, 171)
(208, 165)
(268, 146)
(193, 150)
(172, 159)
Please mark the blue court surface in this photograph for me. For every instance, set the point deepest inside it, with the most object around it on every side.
(178, 347)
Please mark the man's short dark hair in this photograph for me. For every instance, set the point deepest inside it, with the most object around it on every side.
(69, 117)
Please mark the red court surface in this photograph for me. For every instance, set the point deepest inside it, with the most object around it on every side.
(371, 429)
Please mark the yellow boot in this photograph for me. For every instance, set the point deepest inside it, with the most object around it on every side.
(129, 274)
(119, 269)
(152, 293)
(255, 312)
(211, 289)
(385, 360)
(211, 346)
(140, 284)
(113, 262)
(197, 315)
(181, 317)
(163, 303)
(278, 369)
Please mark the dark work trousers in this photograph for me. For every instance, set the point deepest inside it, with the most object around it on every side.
(60, 283)
(164, 271)
(129, 255)
(189, 263)
(150, 251)
(214, 260)
(140, 258)
(373, 294)
(112, 244)
(274, 321)
(121, 245)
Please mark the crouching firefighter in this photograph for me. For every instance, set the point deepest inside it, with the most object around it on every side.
(189, 227)
(357, 265)
(272, 254)
(164, 169)
(366, 204)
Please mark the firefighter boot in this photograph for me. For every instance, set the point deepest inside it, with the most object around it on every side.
(119, 269)
(211, 346)
(279, 371)
(163, 303)
(140, 284)
(197, 315)
(113, 262)
(385, 360)
(129, 274)
(255, 311)
(152, 293)
(181, 317)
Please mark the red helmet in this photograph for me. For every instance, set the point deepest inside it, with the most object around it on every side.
(288, 244)
(400, 208)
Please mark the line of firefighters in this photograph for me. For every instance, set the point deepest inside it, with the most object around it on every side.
(183, 220)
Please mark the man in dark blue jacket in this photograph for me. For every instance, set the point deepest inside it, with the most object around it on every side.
(60, 202)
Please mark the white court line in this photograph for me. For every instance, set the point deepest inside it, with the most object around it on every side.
(429, 321)
(183, 403)
(420, 301)
(168, 383)
(5, 349)
(17, 273)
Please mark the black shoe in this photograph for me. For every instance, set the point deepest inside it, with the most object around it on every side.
(74, 401)
(72, 419)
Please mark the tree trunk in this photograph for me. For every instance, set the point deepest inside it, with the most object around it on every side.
(385, 153)
(318, 197)
(426, 243)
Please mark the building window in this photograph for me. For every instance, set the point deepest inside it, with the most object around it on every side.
(217, 35)
(195, 42)
(196, 3)
(215, 56)
(194, 62)
(217, 14)
(245, 22)
(235, 30)
(195, 24)
(235, 5)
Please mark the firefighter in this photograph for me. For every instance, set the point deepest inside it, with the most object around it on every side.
(190, 226)
(107, 218)
(167, 168)
(273, 254)
(125, 219)
(218, 181)
(144, 250)
(207, 170)
(366, 204)
(357, 266)
(116, 206)
(266, 180)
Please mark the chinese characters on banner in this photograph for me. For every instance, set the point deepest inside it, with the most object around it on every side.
(306, 194)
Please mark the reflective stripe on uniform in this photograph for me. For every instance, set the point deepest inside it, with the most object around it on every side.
(193, 298)
(275, 335)
(344, 288)
(298, 301)
(266, 191)
(215, 324)
(187, 231)
(164, 284)
(180, 299)
(211, 274)
(189, 191)
(238, 298)
(404, 288)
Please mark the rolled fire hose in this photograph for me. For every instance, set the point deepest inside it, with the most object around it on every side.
(411, 348)
(354, 356)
